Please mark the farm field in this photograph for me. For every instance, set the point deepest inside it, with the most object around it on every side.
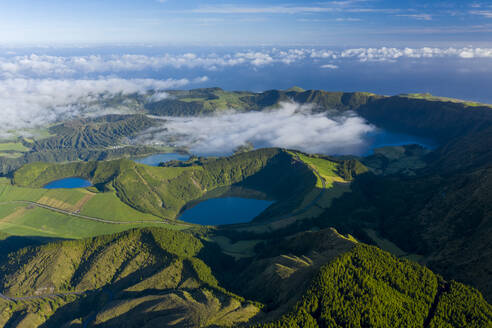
(59, 213)
(32, 221)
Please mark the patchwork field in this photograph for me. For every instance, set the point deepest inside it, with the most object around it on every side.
(68, 213)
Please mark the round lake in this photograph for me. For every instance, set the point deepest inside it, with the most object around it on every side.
(156, 159)
(226, 210)
(68, 183)
(383, 138)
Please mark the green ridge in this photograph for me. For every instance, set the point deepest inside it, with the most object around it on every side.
(367, 287)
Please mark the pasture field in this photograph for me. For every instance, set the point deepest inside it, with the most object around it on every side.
(108, 206)
(22, 220)
(17, 217)
(81, 201)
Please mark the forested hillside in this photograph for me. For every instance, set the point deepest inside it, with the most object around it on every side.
(399, 237)
(369, 288)
(164, 191)
(152, 277)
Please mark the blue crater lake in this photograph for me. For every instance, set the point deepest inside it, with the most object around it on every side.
(68, 183)
(383, 138)
(156, 159)
(226, 210)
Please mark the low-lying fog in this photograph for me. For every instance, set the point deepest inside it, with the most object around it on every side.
(292, 126)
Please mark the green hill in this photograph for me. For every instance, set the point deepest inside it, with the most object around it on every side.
(438, 119)
(99, 132)
(135, 278)
(149, 277)
(164, 191)
(107, 137)
(98, 138)
(441, 220)
(129, 263)
(206, 101)
(369, 288)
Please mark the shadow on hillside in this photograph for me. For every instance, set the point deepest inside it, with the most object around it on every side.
(80, 308)
(14, 243)
(380, 203)
(92, 301)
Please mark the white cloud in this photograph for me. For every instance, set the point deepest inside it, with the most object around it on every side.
(484, 13)
(291, 126)
(329, 66)
(26, 103)
(323, 54)
(290, 9)
(158, 96)
(231, 9)
(42, 66)
(391, 54)
(425, 17)
(348, 19)
(37, 65)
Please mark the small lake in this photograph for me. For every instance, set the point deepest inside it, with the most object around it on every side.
(156, 159)
(68, 183)
(384, 138)
(226, 210)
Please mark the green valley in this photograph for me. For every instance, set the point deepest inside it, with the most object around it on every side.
(397, 237)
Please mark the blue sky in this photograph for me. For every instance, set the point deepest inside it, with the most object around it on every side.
(55, 55)
(278, 22)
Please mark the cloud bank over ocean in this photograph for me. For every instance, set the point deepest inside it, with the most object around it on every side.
(291, 126)
(43, 65)
(43, 85)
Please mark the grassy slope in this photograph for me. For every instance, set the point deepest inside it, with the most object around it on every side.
(103, 205)
(90, 263)
(99, 132)
(39, 222)
(437, 200)
(291, 178)
(13, 146)
(207, 101)
(165, 183)
(32, 313)
(438, 120)
(92, 139)
(163, 191)
(22, 219)
(108, 205)
(152, 271)
(149, 277)
(327, 170)
(428, 96)
(79, 139)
